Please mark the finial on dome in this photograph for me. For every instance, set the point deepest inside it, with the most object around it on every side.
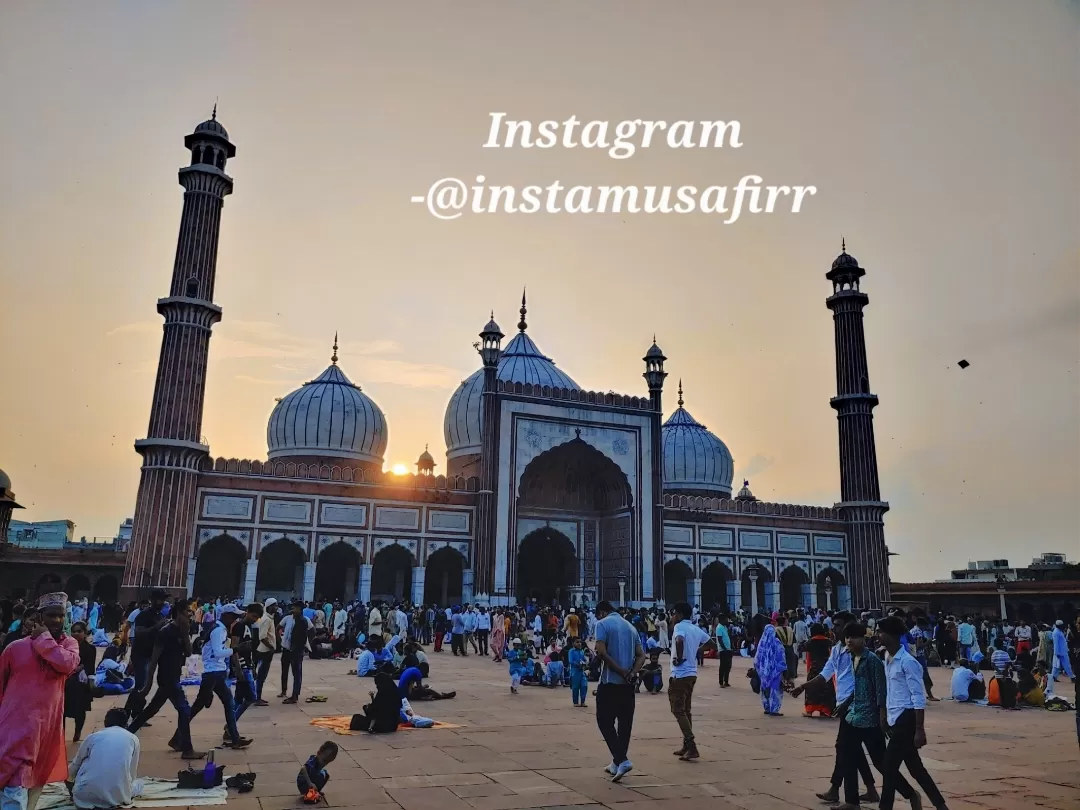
(213, 115)
(680, 393)
(843, 244)
(522, 326)
(333, 357)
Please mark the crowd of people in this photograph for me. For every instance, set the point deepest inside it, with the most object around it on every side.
(871, 673)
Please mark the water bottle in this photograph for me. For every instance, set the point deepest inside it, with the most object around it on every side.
(209, 770)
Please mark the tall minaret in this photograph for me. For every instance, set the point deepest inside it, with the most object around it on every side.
(861, 503)
(174, 449)
(654, 376)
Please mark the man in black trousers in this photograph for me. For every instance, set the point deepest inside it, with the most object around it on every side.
(618, 646)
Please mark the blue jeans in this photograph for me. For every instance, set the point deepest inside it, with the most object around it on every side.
(213, 683)
(579, 687)
(242, 703)
(167, 693)
(19, 798)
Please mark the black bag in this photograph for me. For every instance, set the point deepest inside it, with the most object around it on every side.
(755, 680)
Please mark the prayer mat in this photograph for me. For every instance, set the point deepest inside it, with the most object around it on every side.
(155, 793)
(340, 725)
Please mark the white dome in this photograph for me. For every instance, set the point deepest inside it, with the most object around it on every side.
(521, 362)
(695, 460)
(327, 417)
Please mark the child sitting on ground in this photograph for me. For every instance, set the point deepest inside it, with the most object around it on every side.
(313, 776)
(652, 674)
(555, 672)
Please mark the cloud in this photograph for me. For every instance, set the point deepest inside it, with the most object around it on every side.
(137, 328)
(256, 341)
(413, 375)
(757, 465)
(282, 384)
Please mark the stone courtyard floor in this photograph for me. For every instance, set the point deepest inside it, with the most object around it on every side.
(535, 750)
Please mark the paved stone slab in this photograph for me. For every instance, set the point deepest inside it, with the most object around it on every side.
(535, 750)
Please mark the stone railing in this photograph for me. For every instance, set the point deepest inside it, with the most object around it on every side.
(695, 503)
(574, 395)
(346, 475)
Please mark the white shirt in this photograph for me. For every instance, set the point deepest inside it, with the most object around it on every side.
(375, 622)
(105, 769)
(802, 632)
(961, 682)
(1023, 633)
(365, 663)
(216, 652)
(131, 623)
(340, 620)
(287, 625)
(839, 664)
(903, 678)
(693, 637)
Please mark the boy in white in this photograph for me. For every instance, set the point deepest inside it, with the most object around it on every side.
(104, 772)
(686, 640)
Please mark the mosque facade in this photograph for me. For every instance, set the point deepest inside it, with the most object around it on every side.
(551, 491)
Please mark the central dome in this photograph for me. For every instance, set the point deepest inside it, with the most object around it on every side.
(329, 417)
(696, 462)
(521, 362)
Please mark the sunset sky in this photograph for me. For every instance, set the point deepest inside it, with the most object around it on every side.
(942, 139)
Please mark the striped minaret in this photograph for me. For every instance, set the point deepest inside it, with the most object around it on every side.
(174, 449)
(861, 503)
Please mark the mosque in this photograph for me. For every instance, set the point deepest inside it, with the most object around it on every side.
(552, 491)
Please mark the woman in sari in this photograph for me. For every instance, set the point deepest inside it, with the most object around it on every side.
(820, 698)
(771, 664)
(498, 636)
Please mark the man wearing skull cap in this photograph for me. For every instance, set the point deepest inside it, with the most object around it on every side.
(33, 671)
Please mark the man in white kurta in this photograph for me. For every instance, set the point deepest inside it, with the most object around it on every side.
(105, 771)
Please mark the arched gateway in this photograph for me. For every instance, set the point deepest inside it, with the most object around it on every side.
(575, 526)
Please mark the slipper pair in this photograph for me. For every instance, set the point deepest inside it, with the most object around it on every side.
(316, 699)
(242, 782)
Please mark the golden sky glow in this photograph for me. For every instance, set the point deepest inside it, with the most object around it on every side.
(942, 139)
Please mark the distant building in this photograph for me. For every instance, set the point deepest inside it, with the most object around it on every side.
(1047, 589)
(41, 534)
(45, 556)
(1049, 565)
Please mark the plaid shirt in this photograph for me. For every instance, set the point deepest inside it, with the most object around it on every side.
(870, 692)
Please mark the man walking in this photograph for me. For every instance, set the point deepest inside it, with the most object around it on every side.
(906, 703)
(619, 649)
(218, 658)
(483, 630)
(143, 630)
(294, 644)
(266, 641)
(172, 646)
(471, 624)
(688, 640)
(839, 666)
(457, 633)
(724, 651)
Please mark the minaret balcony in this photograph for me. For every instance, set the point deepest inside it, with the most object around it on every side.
(179, 309)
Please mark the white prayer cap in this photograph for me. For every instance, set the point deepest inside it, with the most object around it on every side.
(58, 599)
(269, 603)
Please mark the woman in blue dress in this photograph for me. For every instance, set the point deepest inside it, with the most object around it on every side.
(771, 664)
